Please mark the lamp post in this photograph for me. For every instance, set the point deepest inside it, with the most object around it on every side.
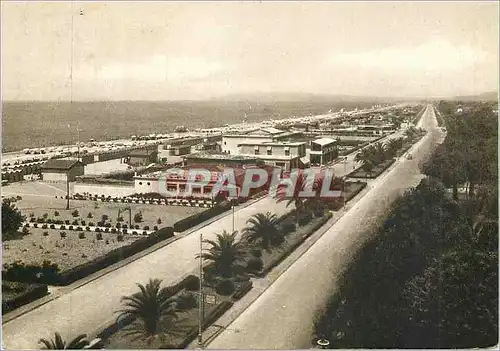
(201, 301)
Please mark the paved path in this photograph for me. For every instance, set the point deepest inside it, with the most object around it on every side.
(282, 317)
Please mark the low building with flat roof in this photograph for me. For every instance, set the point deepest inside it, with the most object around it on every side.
(62, 170)
(323, 151)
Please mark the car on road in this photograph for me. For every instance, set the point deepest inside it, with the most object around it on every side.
(409, 157)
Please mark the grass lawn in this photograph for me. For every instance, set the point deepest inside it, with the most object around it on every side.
(352, 189)
(376, 171)
(66, 252)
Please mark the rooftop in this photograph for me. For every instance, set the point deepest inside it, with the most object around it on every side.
(58, 163)
(324, 141)
(274, 143)
(217, 156)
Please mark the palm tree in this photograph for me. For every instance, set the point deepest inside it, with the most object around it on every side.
(152, 309)
(299, 201)
(224, 252)
(263, 231)
(318, 203)
(392, 147)
(366, 158)
(379, 153)
(59, 344)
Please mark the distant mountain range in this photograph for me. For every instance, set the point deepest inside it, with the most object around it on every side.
(488, 96)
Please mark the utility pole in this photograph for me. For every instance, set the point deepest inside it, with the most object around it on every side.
(67, 191)
(201, 299)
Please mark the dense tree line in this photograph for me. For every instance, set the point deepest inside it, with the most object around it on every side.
(429, 278)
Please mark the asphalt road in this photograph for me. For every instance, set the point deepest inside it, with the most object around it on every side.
(282, 317)
(92, 306)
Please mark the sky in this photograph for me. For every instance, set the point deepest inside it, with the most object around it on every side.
(200, 50)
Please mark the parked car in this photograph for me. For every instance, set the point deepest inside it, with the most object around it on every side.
(409, 157)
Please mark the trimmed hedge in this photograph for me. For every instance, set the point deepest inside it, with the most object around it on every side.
(242, 289)
(198, 218)
(12, 298)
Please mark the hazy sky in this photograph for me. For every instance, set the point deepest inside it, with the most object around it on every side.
(179, 50)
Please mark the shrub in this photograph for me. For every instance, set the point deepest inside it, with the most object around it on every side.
(120, 219)
(255, 265)
(62, 234)
(288, 226)
(32, 214)
(306, 218)
(66, 221)
(155, 228)
(70, 227)
(35, 225)
(100, 224)
(52, 226)
(49, 220)
(44, 226)
(56, 213)
(78, 228)
(124, 226)
(119, 237)
(134, 232)
(144, 233)
(185, 301)
(107, 225)
(137, 226)
(45, 215)
(225, 287)
(89, 215)
(25, 231)
(45, 233)
(75, 222)
(75, 213)
(83, 222)
(97, 230)
(146, 227)
(138, 217)
(158, 221)
(106, 230)
(40, 220)
(192, 283)
(91, 224)
(107, 242)
(104, 217)
(113, 230)
(81, 235)
(87, 229)
(32, 219)
(256, 253)
(98, 236)
(124, 231)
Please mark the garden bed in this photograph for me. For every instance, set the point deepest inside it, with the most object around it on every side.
(15, 294)
(376, 171)
(293, 240)
(185, 328)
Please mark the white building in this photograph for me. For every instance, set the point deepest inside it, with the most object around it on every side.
(230, 142)
(287, 155)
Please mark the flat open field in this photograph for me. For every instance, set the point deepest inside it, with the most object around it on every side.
(39, 198)
(67, 252)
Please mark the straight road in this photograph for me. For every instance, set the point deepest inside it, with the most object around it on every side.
(92, 305)
(282, 317)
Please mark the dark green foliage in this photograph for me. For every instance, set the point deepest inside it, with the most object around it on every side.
(75, 213)
(16, 294)
(256, 252)
(59, 344)
(263, 232)
(225, 253)
(192, 283)
(138, 218)
(198, 218)
(185, 301)
(98, 236)
(11, 218)
(152, 309)
(254, 264)
(225, 287)
(81, 235)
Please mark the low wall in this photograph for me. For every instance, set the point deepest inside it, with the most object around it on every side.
(104, 189)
